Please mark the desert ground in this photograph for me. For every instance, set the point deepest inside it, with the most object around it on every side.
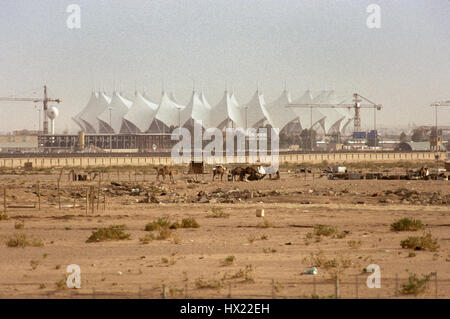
(232, 252)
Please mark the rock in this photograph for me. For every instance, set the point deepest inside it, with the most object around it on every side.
(154, 200)
(203, 199)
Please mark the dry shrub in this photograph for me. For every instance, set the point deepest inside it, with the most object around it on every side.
(211, 284)
(328, 231)
(161, 222)
(353, 244)
(19, 225)
(20, 240)
(189, 222)
(164, 233)
(217, 212)
(415, 285)
(265, 224)
(407, 224)
(245, 273)
(147, 239)
(425, 242)
(113, 232)
(229, 261)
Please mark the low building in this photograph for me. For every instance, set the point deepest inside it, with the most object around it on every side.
(18, 143)
(415, 146)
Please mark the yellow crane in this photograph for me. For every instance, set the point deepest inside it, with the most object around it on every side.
(45, 100)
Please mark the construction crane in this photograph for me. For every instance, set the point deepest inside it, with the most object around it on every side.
(356, 105)
(45, 100)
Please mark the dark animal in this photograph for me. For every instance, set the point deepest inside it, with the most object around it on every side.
(423, 172)
(163, 171)
(238, 171)
(254, 174)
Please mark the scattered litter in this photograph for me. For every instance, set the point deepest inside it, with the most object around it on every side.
(312, 271)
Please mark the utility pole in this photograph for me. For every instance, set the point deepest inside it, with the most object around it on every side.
(110, 126)
(435, 139)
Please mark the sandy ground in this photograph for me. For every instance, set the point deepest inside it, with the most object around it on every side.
(275, 256)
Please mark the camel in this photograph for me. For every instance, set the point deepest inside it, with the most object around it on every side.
(219, 170)
(238, 171)
(277, 174)
(423, 172)
(254, 174)
(163, 171)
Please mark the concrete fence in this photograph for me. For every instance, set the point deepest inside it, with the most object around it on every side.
(80, 161)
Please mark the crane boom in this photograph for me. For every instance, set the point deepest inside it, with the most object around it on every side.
(44, 100)
(357, 99)
(441, 103)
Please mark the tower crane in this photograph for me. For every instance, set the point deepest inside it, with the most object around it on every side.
(356, 105)
(45, 100)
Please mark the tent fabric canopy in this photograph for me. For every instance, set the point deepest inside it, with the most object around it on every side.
(110, 120)
(280, 114)
(143, 116)
(196, 111)
(305, 114)
(98, 103)
(141, 113)
(167, 115)
(226, 111)
(332, 121)
(93, 100)
(256, 112)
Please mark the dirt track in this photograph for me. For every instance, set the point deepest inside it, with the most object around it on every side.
(278, 253)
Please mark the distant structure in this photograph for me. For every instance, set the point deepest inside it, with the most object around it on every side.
(117, 115)
(52, 114)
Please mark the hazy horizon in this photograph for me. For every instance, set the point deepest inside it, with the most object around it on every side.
(314, 44)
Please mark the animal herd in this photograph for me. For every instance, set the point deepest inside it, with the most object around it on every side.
(238, 173)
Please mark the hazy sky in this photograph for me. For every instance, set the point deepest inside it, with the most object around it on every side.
(316, 44)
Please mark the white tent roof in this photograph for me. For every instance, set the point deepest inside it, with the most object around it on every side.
(333, 118)
(279, 114)
(168, 111)
(118, 107)
(196, 111)
(95, 107)
(256, 110)
(304, 114)
(77, 118)
(221, 112)
(236, 112)
(141, 113)
(205, 101)
(226, 110)
(347, 112)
